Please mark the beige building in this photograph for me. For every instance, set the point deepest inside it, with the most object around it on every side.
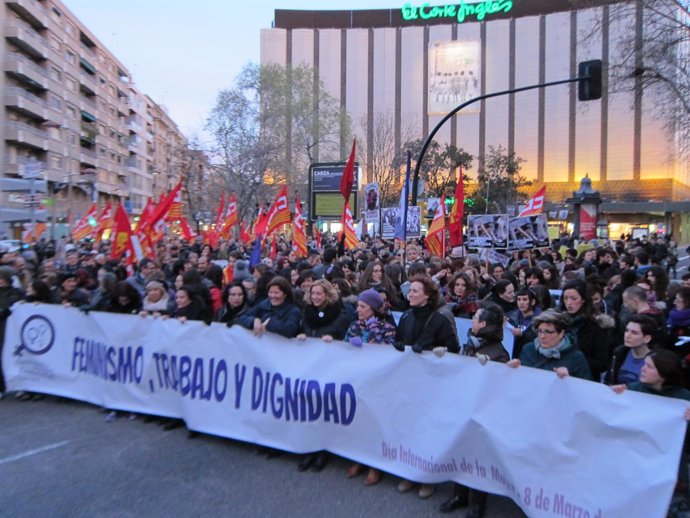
(73, 110)
(417, 62)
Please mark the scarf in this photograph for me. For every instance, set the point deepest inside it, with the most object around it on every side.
(553, 352)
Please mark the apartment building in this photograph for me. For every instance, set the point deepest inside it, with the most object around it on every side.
(73, 109)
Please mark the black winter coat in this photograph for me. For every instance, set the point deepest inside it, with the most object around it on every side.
(424, 328)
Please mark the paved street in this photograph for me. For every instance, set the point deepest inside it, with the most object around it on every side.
(60, 458)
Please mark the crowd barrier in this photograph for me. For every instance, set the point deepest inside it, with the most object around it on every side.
(557, 447)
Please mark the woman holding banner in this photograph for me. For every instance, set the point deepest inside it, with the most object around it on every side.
(370, 327)
(553, 348)
(276, 314)
(323, 317)
(661, 375)
(425, 329)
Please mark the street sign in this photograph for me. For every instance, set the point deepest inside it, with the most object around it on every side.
(32, 169)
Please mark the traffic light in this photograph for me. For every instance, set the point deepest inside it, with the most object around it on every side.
(589, 85)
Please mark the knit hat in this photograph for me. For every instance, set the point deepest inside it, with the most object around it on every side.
(371, 298)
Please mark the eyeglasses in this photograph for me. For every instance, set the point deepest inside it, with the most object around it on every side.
(546, 331)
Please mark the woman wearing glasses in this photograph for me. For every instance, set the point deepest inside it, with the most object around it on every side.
(553, 349)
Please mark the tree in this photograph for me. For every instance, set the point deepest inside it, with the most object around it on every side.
(440, 164)
(653, 62)
(300, 118)
(268, 127)
(383, 166)
(498, 180)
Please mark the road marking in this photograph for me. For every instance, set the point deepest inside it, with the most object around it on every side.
(29, 453)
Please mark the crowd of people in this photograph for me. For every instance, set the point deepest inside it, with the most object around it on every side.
(604, 312)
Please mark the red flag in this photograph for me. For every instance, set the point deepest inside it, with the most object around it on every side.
(230, 217)
(457, 212)
(105, 222)
(351, 240)
(280, 212)
(261, 222)
(162, 209)
(245, 236)
(146, 214)
(316, 233)
(299, 238)
(535, 205)
(122, 236)
(274, 247)
(348, 178)
(175, 212)
(187, 233)
(84, 228)
(436, 236)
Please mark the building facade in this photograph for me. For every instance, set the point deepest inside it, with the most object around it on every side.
(73, 110)
(418, 62)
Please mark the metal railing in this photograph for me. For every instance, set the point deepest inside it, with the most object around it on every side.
(23, 93)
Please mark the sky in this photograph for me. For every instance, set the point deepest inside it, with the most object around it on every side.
(183, 52)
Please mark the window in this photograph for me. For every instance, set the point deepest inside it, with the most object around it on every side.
(71, 57)
(69, 28)
(55, 73)
(71, 112)
(55, 161)
(55, 43)
(55, 102)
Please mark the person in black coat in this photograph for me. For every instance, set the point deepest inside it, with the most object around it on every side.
(188, 305)
(323, 317)
(589, 336)
(503, 294)
(423, 326)
(235, 304)
(425, 329)
(485, 342)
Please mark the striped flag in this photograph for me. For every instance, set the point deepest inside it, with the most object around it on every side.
(436, 236)
(299, 237)
(279, 214)
(350, 233)
(457, 212)
(535, 205)
(84, 228)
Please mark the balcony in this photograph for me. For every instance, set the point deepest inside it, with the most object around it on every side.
(88, 158)
(88, 132)
(89, 101)
(31, 11)
(26, 38)
(133, 145)
(132, 165)
(16, 166)
(30, 105)
(88, 81)
(27, 135)
(23, 69)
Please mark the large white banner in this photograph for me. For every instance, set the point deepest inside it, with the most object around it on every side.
(558, 447)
